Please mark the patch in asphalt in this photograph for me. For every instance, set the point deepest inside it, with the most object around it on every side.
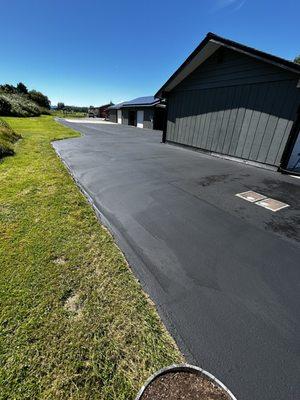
(251, 196)
(271, 204)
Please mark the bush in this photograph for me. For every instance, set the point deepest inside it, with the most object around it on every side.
(5, 148)
(5, 106)
(18, 105)
(40, 99)
(18, 102)
(8, 88)
(21, 88)
(7, 138)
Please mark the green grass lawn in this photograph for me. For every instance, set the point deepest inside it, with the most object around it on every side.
(74, 322)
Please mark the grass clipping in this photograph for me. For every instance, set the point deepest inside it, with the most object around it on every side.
(75, 324)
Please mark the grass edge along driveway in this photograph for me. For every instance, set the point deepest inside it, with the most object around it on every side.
(75, 323)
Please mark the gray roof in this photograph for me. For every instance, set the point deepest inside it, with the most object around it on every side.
(142, 101)
(116, 106)
(146, 101)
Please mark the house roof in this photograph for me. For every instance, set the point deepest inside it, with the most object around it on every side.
(207, 47)
(116, 106)
(146, 101)
(106, 105)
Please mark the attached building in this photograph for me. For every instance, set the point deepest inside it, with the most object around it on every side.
(115, 113)
(231, 99)
(142, 112)
(99, 112)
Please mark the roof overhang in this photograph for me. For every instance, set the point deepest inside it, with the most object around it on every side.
(139, 102)
(133, 105)
(190, 66)
(210, 45)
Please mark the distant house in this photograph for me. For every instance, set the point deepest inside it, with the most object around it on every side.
(234, 100)
(100, 112)
(115, 113)
(142, 112)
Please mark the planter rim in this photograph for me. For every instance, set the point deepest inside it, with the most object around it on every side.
(181, 368)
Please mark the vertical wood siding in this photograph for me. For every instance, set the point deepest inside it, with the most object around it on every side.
(125, 116)
(148, 117)
(240, 107)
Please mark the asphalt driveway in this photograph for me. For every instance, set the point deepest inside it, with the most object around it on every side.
(224, 273)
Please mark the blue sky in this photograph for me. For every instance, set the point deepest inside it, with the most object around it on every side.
(91, 52)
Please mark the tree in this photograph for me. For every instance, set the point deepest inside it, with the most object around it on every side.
(40, 99)
(297, 59)
(60, 106)
(8, 88)
(21, 88)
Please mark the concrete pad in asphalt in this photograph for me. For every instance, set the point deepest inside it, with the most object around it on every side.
(223, 272)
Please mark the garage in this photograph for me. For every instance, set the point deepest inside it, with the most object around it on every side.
(236, 101)
(143, 112)
(114, 113)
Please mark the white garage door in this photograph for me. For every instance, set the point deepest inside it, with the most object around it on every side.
(119, 116)
(140, 119)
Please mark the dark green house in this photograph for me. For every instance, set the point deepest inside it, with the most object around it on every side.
(233, 100)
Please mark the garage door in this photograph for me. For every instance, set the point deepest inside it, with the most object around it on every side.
(140, 119)
(119, 116)
(252, 122)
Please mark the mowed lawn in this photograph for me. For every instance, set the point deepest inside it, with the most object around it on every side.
(75, 324)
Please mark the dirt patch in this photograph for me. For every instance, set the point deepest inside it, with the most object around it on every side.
(60, 260)
(183, 386)
(73, 304)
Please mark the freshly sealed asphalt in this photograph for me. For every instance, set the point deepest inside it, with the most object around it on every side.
(224, 273)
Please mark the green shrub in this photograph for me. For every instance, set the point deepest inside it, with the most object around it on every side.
(18, 105)
(5, 149)
(5, 106)
(19, 102)
(7, 138)
(40, 99)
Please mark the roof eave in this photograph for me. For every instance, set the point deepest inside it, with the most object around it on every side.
(141, 105)
(211, 37)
